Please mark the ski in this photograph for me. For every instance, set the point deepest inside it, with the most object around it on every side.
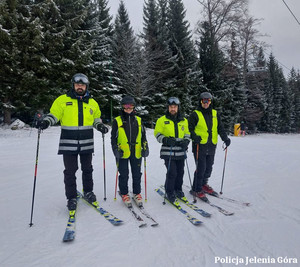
(107, 215)
(227, 199)
(247, 204)
(192, 206)
(138, 218)
(176, 204)
(70, 229)
(147, 215)
(223, 211)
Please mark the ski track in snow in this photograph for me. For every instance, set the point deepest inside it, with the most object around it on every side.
(261, 169)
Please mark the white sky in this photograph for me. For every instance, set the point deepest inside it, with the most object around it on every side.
(278, 23)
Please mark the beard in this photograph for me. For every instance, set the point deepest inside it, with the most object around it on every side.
(80, 91)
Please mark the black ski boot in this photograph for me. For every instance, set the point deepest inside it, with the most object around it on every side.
(90, 197)
(72, 204)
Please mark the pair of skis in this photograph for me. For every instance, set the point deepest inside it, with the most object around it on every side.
(70, 231)
(176, 204)
(138, 219)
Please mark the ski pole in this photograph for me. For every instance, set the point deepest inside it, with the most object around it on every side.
(196, 176)
(168, 171)
(116, 180)
(145, 173)
(221, 192)
(104, 170)
(188, 169)
(35, 174)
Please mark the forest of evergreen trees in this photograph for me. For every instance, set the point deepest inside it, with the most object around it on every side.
(44, 42)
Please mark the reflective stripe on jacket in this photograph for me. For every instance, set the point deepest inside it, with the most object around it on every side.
(123, 140)
(202, 130)
(77, 118)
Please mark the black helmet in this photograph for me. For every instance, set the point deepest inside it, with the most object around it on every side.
(80, 78)
(173, 101)
(205, 95)
(127, 100)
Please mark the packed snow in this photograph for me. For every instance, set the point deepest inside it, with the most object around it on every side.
(261, 169)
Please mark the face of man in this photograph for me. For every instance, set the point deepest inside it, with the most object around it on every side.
(80, 88)
(128, 108)
(173, 109)
(205, 103)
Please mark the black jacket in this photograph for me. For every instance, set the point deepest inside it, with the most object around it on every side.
(209, 148)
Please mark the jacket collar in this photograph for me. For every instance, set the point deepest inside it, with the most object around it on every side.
(85, 98)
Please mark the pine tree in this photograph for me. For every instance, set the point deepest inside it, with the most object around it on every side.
(159, 63)
(256, 83)
(8, 52)
(124, 62)
(294, 84)
(182, 48)
(99, 31)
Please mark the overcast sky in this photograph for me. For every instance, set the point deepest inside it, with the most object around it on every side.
(278, 23)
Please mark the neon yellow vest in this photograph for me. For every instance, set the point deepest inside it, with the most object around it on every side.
(123, 140)
(201, 127)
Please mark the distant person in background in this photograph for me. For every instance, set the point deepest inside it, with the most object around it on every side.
(78, 113)
(205, 125)
(242, 128)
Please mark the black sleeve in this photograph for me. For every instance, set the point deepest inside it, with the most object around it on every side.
(193, 121)
(221, 130)
(144, 137)
(114, 136)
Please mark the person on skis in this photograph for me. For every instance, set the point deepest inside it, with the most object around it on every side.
(77, 113)
(129, 145)
(205, 125)
(172, 131)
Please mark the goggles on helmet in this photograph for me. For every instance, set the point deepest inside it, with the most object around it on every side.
(173, 101)
(206, 101)
(80, 79)
(128, 106)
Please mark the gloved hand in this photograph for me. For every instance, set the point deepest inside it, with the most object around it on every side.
(227, 142)
(118, 153)
(145, 152)
(42, 124)
(197, 139)
(169, 141)
(102, 128)
(184, 143)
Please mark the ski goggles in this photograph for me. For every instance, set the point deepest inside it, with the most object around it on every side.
(128, 106)
(80, 79)
(206, 101)
(173, 101)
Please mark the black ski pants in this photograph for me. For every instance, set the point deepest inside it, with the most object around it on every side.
(174, 176)
(135, 165)
(203, 170)
(71, 166)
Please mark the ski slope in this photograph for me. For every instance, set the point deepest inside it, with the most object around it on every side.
(261, 169)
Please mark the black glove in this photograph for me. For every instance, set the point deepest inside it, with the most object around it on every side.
(102, 128)
(197, 139)
(169, 141)
(184, 143)
(118, 153)
(42, 124)
(227, 142)
(145, 152)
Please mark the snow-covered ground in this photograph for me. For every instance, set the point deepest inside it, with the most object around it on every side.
(262, 169)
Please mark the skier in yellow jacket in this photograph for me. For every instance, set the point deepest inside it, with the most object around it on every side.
(77, 113)
(172, 131)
